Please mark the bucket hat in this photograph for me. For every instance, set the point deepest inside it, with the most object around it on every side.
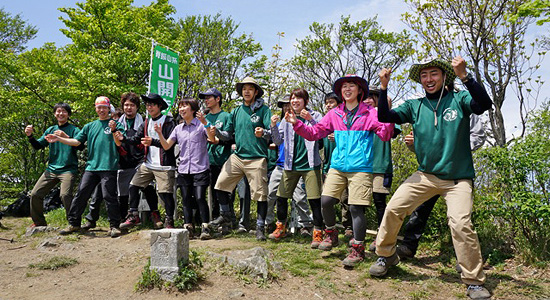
(362, 83)
(414, 73)
(284, 100)
(249, 80)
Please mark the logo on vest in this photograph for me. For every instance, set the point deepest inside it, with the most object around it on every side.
(219, 124)
(450, 114)
(107, 130)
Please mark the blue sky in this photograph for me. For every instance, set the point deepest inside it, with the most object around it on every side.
(263, 19)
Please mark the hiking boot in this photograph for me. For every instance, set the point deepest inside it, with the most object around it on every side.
(260, 235)
(115, 232)
(356, 256)
(89, 225)
(224, 220)
(168, 223)
(372, 246)
(70, 229)
(317, 238)
(205, 232)
(404, 252)
(478, 292)
(131, 221)
(191, 229)
(157, 221)
(305, 232)
(279, 233)
(331, 240)
(381, 266)
(241, 229)
(348, 234)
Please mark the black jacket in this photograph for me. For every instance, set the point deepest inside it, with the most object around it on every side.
(167, 157)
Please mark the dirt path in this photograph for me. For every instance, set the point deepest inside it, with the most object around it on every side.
(109, 268)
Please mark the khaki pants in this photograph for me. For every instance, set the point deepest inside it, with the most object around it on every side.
(255, 171)
(43, 186)
(458, 195)
(358, 184)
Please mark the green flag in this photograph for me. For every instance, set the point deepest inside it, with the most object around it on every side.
(164, 74)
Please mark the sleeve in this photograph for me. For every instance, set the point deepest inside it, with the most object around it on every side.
(267, 123)
(136, 138)
(277, 133)
(76, 131)
(82, 136)
(480, 99)
(385, 114)
(226, 134)
(174, 135)
(318, 131)
(41, 143)
(477, 133)
(383, 130)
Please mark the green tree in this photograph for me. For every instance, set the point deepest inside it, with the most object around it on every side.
(14, 32)
(494, 47)
(362, 48)
(514, 184)
(212, 55)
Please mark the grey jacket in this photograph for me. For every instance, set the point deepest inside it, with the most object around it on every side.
(285, 133)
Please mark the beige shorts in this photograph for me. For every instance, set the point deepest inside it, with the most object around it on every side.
(359, 186)
(255, 171)
(164, 179)
(378, 184)
(290, 179)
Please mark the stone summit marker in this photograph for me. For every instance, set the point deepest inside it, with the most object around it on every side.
(168, 247)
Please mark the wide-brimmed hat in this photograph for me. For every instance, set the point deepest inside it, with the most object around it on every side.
(210, 92)
(252, 81)
(155, 98)
(284, 100)
(414, 73)
(360, 81)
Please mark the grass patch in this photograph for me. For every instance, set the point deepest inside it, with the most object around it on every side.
(299, 261)
(54, 263)
(188, 277)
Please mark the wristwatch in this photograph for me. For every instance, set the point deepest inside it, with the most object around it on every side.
(467, 78)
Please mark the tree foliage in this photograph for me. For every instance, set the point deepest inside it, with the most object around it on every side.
(109, 54)
(494, 47)
(334, 50)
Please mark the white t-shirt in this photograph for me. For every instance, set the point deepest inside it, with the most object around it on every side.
(153, 155)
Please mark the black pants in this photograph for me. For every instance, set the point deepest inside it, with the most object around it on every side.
(417, 224)
(90, 179)
(193, 190)
(97, 199)
(214, 174)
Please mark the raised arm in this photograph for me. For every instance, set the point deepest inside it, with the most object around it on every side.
(311, 133)
(276, 134)
(166, 144)
(52, 138)
(480, 99)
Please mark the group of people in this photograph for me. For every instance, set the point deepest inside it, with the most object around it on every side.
(216, 150)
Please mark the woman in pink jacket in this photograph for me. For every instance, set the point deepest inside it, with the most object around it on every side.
(354, 125)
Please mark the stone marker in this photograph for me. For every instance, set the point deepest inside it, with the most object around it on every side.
(168, 247)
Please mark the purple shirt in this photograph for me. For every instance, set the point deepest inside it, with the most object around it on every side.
(193, 147)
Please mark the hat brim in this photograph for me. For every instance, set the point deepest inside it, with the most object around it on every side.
(281, 103)
(239, 88)
(163, 105)
(450, 76)
(361, 82)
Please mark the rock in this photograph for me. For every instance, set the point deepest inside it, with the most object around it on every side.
(48, 244)
(256, 261)
(168, 247)
(235, 294)
(37, 229)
